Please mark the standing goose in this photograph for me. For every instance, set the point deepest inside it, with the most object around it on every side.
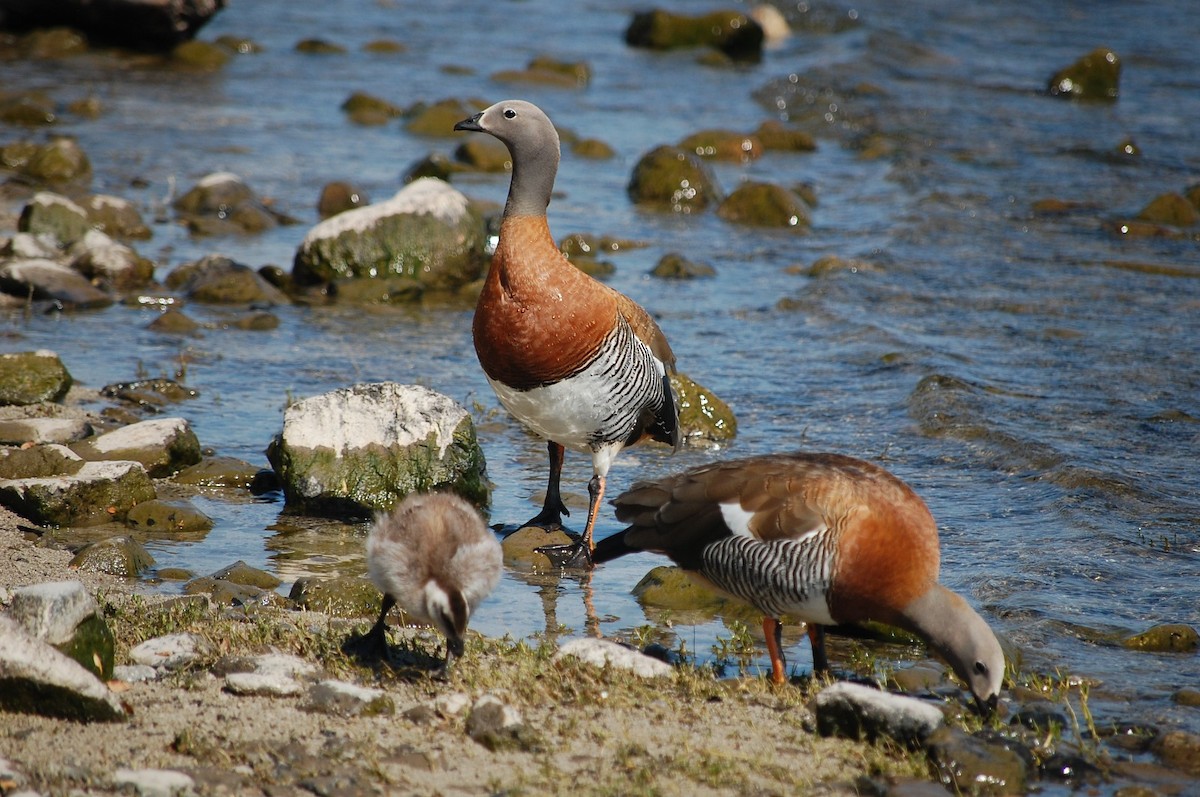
(825, 538)
(434, 556)
(576, 362)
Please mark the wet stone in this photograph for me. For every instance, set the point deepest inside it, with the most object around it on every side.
(1172, 209)
(765, 205)
(118, 556)
(55, 217)
(241, 573)
(439, 118)
(348, 596)
(520, 546)
(43, 430)
(163, 446)
(731, 32)
(484, 154)
(675, 266)
(669, 587)
(723, 145)
(703, 417)
(47, 281)
(1095, 76)
(97, 493)
(115, 216)
(674, 179)
(1187, 696)
(174, 322)
(340, 196)
(167, 517)
(367, 109)
(1180, 750)
(973, 766)
(32, 377)
(218, 472)
(1167, 638)
(110, 265)
(216, 279)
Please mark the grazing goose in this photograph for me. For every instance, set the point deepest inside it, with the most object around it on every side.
(576, 362)
(434, 556)
(825, 538)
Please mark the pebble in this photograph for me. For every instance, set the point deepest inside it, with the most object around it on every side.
(167, 652)
(154, 782)
(134, 673)
(348, 700)
(854, 710)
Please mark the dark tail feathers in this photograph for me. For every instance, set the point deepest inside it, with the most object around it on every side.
(611, 548)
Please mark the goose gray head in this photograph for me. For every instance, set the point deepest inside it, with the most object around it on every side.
(533, 144)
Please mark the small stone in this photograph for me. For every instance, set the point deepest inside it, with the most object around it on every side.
(603, 653)
(1095, 76)
(117, 556)
(1179, 749)
(158, 517)
(32, 378)
(520, 546)
(338, 196)
(163, 446)
(348, 700)
(498, 726)
(1187, 696)
(242, 573)
(857, 711)
(218, 472)
(48, 281)
(965, 764)
(135, 673)
(261, 685)
(673, 178)
(452, 704)
(675, 266)
(168, 652)
(52, 611)
(44, 430)
(154, 782)
(703, 416)
(173, 322)
(1166, 638)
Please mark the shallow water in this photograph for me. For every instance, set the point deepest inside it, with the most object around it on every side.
(1034, 377)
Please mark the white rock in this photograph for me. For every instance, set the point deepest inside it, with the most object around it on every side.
(383, 414)
(453, 704)
(167, 652)
(261, 684)
(854, 710)
(156, 433)
(283, 665)
(135, 673)
(428, 196)
(52, 611)
(44, 430)
(154, 782)
(340, 697)
(602, 652)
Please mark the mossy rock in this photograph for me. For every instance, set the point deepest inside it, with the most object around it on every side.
(56, 217)
(167, 517)
(98, 493)
(578, 244)
(28, 109)
(200, 55)
(668, 587)
(519, 547)
(215, 279)
(674, 179)
(115, 216)
(55, 42)
(774, 136)
(38, 462)
(319, 47)
(117, 556)
(675, 266)
(93, 646)
(174, 322)
(702, 416)
(1095, 76)
(367, 109)
(338, 197)
(765, 205)
(348, 596)
(439, 119)
(723, 145)
(730, 31)
(32, 377)
(592, 148)
(61, 160)
(1167, 638)
(485, 154)
(1172, 209)
(241, 573)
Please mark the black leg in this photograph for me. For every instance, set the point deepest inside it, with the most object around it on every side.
(816, 636)
(372, 646)
(553, 508)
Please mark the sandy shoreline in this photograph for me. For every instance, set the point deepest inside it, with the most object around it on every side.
(590, 731)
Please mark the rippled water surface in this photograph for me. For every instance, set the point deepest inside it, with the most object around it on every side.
(1035, 377)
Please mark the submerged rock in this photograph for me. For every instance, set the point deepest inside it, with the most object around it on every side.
(723, 145)
(32, 377)
(765, 205)
(361, 449)
(109, 264)
(521, 546)
(673, 178)
(1095, 76)
(347, 596)
(168, 518)
(971, 765)
(57, 162)
(221, 204)
(427, 234)
(339, 196)
(669, 587)
(547, 71)
(1167, 638)
(115, 216)
(675, 266)
(439, 118)
(1172, 209)
(366, 109)
(218, 472)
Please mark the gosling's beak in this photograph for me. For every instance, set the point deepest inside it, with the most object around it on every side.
(454, 648)
(987, 708)
(471, 124)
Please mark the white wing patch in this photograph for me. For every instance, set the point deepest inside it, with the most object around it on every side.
(737, 519)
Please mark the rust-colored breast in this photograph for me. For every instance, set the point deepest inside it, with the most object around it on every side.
(539, 319)
(887, 551)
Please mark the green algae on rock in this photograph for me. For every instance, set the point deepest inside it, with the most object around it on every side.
(765, 205)
(32, 377)
(1095, 76)
(729, 31)
(703, 417)
(673, 178)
